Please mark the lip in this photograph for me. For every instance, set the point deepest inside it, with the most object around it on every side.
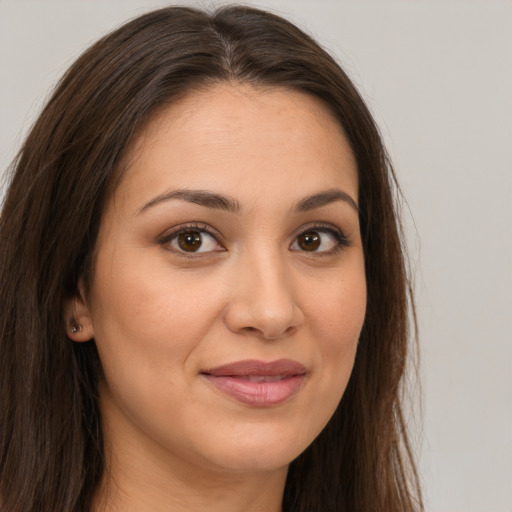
(258, 383)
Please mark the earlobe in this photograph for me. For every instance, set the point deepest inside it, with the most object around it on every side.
(77, 317)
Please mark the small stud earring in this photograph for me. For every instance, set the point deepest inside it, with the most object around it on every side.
(75, 327)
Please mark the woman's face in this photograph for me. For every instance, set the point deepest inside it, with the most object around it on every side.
(229, 288)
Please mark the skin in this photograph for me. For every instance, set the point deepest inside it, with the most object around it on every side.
(160, 316)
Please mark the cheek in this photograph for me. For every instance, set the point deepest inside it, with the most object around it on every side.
(147, 324)
(335, 314)
(337, 307)
(150, 320)
(147, 296)
(336, 318)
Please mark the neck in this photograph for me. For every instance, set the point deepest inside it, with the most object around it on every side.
(145, 488)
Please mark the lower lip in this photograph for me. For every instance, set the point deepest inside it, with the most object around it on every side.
(258, 394)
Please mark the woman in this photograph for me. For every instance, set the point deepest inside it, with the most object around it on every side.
(204, 300)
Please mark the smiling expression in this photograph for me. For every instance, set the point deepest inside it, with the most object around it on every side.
(229, 287)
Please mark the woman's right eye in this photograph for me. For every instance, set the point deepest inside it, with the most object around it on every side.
(192, 240)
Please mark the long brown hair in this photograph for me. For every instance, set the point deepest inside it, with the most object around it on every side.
(51, 446)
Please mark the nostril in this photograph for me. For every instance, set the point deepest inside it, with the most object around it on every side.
(256, 314)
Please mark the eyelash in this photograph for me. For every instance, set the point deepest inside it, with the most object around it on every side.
(342, 241)
(201, 228)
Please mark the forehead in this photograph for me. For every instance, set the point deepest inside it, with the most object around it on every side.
(244, 139)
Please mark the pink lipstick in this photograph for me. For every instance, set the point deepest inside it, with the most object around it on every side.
(258, 383)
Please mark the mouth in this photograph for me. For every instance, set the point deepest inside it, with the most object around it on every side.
(258, 383)
(261, 378)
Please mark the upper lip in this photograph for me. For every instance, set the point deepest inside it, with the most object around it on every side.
(283, 367)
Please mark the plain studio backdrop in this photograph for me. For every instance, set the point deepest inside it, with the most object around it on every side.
(438, 77)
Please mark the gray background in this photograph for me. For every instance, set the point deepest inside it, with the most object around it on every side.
(438, 76)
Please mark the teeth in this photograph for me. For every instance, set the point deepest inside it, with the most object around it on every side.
(263, 378)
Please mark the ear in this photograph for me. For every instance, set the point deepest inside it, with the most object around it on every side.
(79, 326)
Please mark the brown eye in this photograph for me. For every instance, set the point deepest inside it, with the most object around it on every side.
(189, 241)
(309, 241)
(320, 241)
(192, 240)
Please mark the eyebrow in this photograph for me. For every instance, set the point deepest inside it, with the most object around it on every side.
(229, 204)
(200, 197)
(323, 199)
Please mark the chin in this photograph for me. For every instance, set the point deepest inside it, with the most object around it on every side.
(258, 453)
(257, 461)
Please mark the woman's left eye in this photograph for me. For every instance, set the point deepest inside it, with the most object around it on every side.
(319, 240)
(192, 240)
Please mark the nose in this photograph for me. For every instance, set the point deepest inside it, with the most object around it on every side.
(263, 302)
